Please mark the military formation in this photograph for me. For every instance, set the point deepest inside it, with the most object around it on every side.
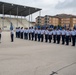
(55, 35)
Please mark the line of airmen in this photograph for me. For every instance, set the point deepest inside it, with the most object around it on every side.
(40, 34)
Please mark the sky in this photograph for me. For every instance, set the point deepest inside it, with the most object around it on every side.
(49, 7)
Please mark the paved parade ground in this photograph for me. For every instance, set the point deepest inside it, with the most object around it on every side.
(23, 57)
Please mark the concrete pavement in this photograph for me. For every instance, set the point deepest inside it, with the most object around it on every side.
(35, 58)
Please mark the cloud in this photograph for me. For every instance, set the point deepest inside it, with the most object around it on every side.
(49, 7)
(67, 4)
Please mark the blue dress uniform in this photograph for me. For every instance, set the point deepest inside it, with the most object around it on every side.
(67, 36)
(63, 36)
(36, 34)
(54, 35)
(0, 34)
(32, 33)
(50, 35)
(16, 32)
(19, 29)
(39, 34)
(58, 36)
(46, 35)
(22, 32)
(19, 34)
(73, 34)
(29, 31)
(70, 36)
(42, 34)
(12, 35)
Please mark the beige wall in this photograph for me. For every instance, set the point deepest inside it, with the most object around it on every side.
(50, 21)
(42, 21)
(66, 21)
(74, 21)
(55, 21)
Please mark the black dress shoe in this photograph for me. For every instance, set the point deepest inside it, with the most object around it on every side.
(73, 45)
(67, 44)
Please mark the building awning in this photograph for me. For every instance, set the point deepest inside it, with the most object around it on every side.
(16, 10)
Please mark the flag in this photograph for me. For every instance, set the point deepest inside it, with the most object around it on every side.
(11, 27)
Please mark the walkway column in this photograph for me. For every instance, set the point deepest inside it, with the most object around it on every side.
(10, 16)
(40, 17)
(17, 16)
(21, 18)
(29, 17)
(40, 13)
(3, 17)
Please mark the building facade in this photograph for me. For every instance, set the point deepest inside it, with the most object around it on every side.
(60, 19)
(40, 20)
(54, 21)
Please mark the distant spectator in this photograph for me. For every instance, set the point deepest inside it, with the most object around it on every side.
(12, 35)
(11, 27)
